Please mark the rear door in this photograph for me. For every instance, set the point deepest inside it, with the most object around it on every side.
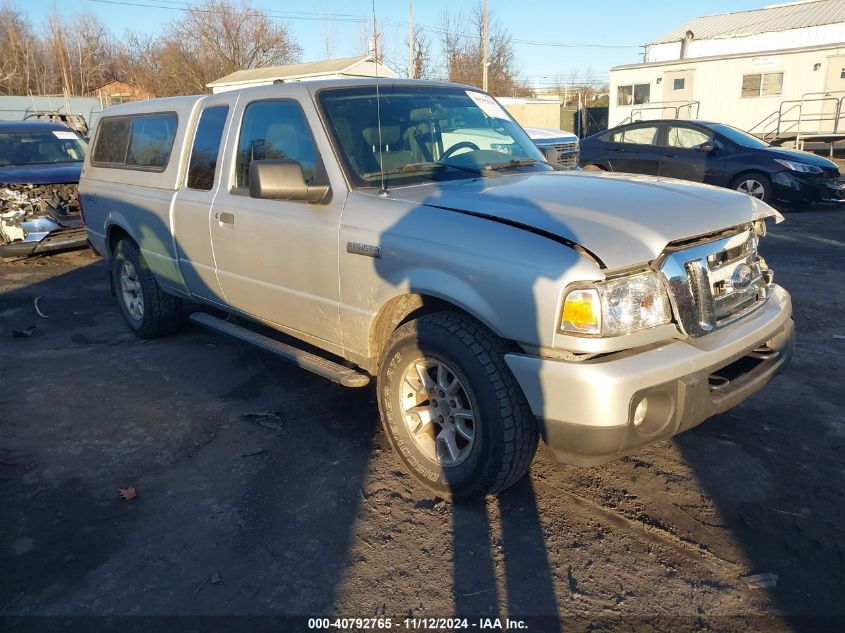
(192, 207)
(636, 148)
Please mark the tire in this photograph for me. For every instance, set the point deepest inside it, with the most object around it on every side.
(488, 405)
(147, 310)
(754, 183)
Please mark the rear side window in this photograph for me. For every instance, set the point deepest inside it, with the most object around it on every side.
(206, 148)
(646, 135)
(136, 142)
(112, 141)
(275, 129)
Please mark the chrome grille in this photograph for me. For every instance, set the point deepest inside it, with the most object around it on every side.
(715, 283)
(567, 154)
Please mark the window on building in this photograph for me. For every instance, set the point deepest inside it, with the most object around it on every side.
(762, 85)
(842, 73)
(137, 142)
(678, 84)
(275, 129)
(641, 135)
(633, 95)
(206, 147)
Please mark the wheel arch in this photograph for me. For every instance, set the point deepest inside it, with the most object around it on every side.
(403, 308)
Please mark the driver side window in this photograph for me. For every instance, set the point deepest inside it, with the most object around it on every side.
(685, 137)
(275, 129)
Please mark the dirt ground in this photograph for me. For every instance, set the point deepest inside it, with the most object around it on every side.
(263, 490)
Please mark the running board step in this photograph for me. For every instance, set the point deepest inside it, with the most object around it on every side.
(306, 360)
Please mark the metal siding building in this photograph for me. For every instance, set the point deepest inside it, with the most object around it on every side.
(738, 68)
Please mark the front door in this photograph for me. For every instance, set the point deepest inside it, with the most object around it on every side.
(683, 156)
(278, 259)
(677, 91)
(834, 86)
(636, 148)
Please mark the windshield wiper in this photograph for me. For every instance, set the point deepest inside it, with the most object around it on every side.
(409, 168)
(406, 169)
(516, 162)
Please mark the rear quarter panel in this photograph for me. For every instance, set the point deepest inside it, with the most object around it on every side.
(140, 202)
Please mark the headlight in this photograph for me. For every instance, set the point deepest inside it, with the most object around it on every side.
(801, 168)
(619, 306)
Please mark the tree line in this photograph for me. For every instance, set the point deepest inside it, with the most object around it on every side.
(76, 54)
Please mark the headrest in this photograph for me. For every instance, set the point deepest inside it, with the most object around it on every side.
(426, 114)
(390, 134)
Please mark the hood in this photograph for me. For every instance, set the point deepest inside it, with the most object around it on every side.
(801, 157)
(544, 133)
(46, 174)
(622, 220)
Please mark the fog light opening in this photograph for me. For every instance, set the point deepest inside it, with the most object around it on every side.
(640, 412)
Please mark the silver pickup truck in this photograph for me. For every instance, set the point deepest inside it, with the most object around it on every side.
(411, 232)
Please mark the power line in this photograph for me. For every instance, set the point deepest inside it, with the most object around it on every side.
(176, 5)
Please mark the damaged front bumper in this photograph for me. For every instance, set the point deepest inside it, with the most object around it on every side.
(39, 218)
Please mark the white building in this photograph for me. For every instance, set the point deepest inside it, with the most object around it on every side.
(770, 70)
(361, 66)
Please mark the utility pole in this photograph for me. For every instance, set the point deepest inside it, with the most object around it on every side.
(411, 73)
(484, 45)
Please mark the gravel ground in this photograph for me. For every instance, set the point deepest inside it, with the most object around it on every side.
(265, 491)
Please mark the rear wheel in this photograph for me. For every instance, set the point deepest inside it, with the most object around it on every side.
(147, 310)
(452, 409)
(755, 184)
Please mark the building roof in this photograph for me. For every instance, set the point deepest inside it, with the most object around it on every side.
(294, 71)
(783, 17)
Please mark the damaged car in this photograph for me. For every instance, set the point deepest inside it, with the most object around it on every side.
(40, 163)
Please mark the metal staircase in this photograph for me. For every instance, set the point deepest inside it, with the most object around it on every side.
(815, 117)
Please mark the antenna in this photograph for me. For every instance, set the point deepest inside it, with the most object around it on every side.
(383, 190)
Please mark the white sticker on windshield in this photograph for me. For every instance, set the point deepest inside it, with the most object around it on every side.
(65, 136)
(488, 104)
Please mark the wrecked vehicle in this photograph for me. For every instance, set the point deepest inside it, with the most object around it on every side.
(40, 163)
(494, 299)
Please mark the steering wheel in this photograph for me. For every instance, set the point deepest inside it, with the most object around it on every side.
(457, 146)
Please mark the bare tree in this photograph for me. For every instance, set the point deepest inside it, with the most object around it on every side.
(462, 44)
(421, 55)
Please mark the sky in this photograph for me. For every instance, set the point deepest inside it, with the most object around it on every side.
(598, 35)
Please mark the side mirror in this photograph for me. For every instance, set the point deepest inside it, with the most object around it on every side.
(280, 179)
(550, 154)
(706, 147)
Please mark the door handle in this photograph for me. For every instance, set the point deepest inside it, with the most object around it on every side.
(670, 155)
(616, 149)
(225, 218)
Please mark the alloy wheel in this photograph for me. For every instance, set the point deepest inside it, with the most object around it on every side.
(438, 412)
(130, 290)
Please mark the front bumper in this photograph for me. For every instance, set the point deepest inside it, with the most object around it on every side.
(586, 409)
(795, 188)
(45, 235)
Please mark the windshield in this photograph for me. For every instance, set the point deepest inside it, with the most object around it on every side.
(41, 147)
(738, 136)
(426, 133)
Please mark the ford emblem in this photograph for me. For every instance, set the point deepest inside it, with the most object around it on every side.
(742, 277)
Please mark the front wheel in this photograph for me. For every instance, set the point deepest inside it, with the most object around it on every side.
(755, 184)
(452, 409)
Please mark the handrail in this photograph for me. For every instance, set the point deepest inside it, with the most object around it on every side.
(639, 108)
(782, 123)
